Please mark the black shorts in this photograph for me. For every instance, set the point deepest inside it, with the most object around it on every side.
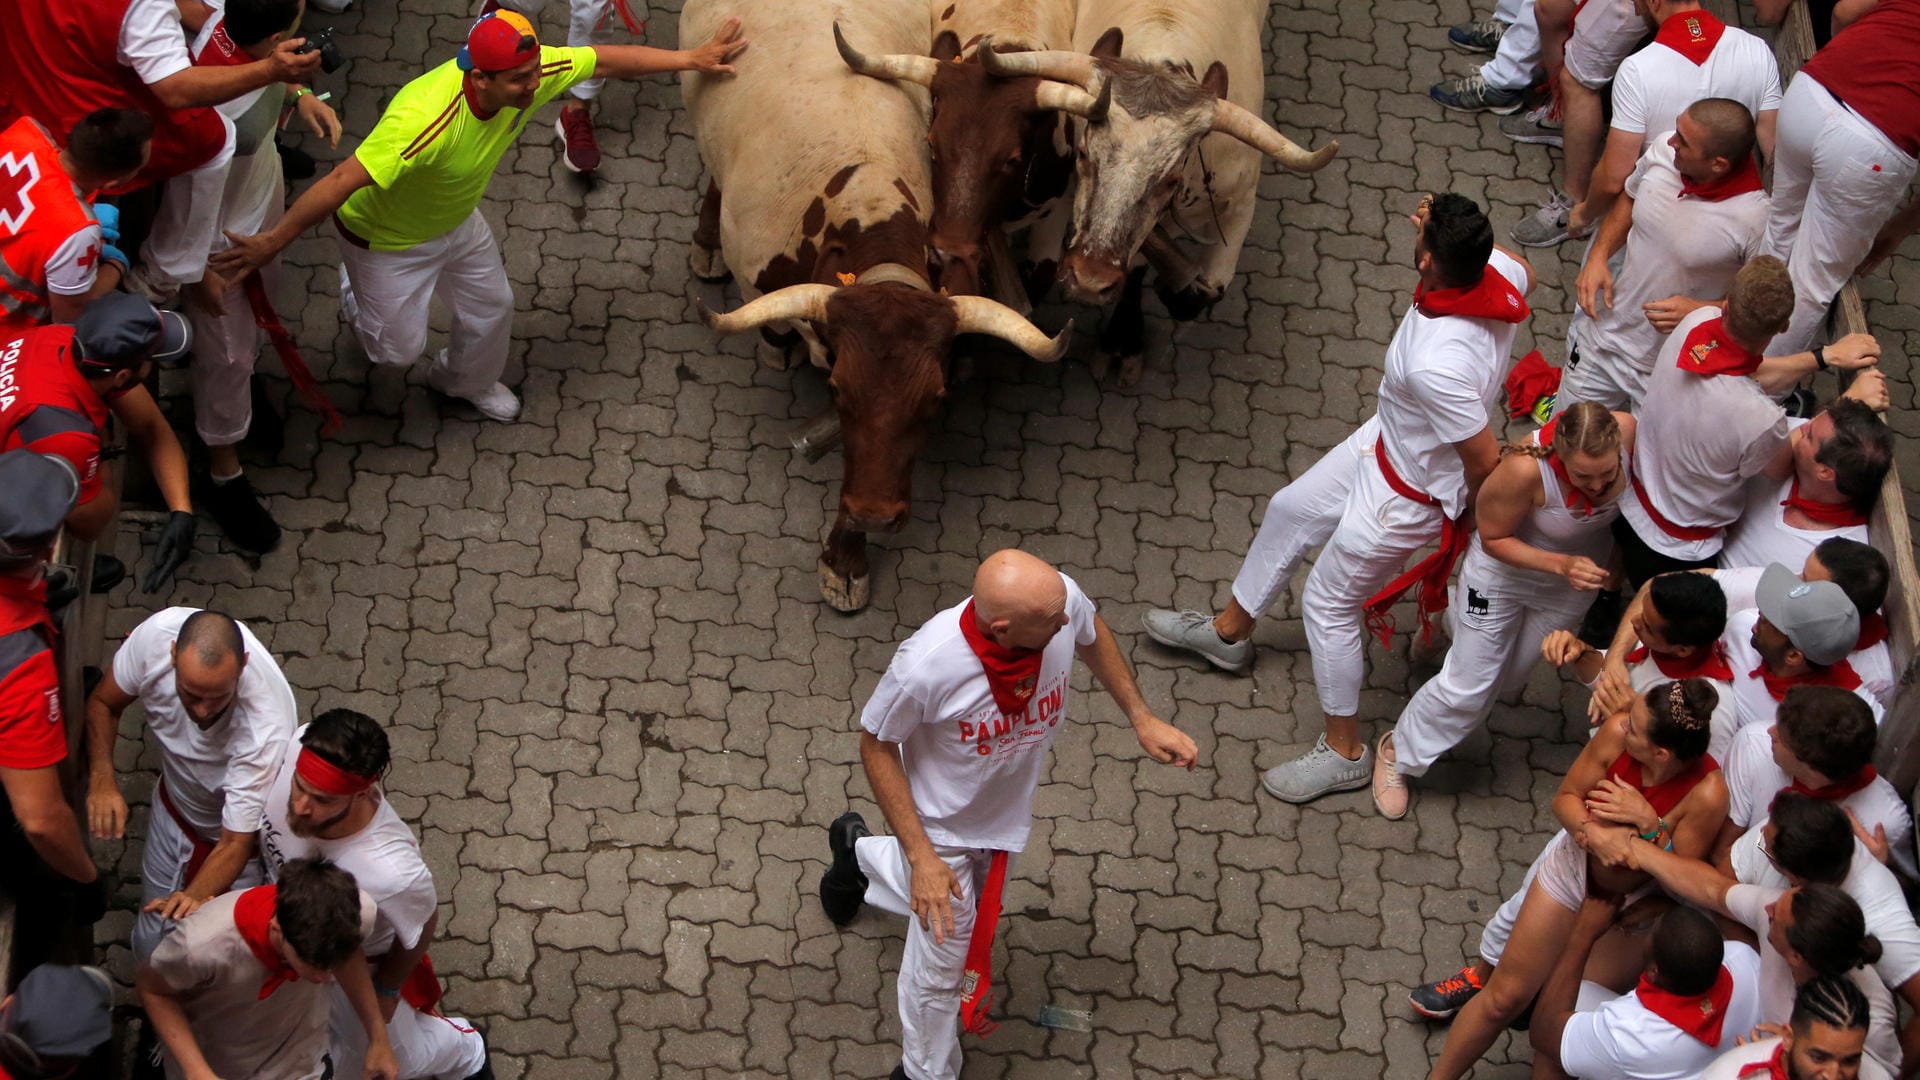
(1642, 563)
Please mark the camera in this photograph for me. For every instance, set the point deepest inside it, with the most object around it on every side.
(329, 49)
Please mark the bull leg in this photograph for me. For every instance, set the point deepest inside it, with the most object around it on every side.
(1123, 338)
(1213, 270)
(704, 256)
(843, 568)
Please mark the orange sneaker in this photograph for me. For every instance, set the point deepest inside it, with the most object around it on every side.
(1440, 1000)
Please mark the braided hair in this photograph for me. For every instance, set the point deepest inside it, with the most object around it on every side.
(1832, 1000)
(1682, 716)
(1586, 427)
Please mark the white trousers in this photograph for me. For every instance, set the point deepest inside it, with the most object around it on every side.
(589, 22)
(427, 1047)
(188, 220)
(1299, 518)
(1603, 376)
(1498, 623)
(930, 971)
(226, 346)
(1514, 62)
(163, 872)
(393, 291)
(1836, 180)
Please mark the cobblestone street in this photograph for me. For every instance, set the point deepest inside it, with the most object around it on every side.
(622, 716)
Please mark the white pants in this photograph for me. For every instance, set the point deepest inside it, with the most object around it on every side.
(1602, 376)
(188, 220)
(427, 1047)
(393, 290)
(930, 971)
(226, 346)
(1498, 622)
(1299, 518)
(163, 872)
(1836, 180)
(1518, 56)
(589, 22)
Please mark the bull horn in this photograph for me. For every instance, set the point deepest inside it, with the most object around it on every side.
(1071, 99)
(1233, 120)
(795, 303)
(889, 66)
(979, 315)
(1073, 67)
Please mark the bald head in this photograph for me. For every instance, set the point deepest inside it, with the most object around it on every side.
(1726, 128)
(213, 638)
(1020, 600)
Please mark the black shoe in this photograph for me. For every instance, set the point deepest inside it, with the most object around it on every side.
(1602, 618)
(295, 163)
(237, 510)
(266, 432)
(107, 573)
(899, 1072)
(843, 888)
(485, 1073)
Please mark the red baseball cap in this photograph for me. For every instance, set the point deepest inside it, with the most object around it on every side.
(494, 43)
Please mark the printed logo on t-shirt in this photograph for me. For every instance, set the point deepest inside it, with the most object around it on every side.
(53, 706)
(9, 373)
(990, 731)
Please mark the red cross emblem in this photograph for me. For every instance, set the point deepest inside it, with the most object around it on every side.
(17, 177)
(92, 257)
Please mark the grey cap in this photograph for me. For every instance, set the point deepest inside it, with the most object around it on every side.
(120, 330)
(1815, 615)
(62, 1011)
(40, 492)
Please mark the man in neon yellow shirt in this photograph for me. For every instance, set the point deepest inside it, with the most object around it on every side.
(405, 205)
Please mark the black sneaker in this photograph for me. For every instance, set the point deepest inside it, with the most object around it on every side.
(237, 510)
(843, 888)
(899, 1072)
(108, 572)
(1602, 619)
(1440, 1000)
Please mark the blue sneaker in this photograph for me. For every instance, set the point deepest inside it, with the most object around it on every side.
(1479, 36)
(1470, 93)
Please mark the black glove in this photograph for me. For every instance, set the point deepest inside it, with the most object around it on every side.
(176, 543)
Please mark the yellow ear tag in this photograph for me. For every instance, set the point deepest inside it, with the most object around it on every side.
(845, 279)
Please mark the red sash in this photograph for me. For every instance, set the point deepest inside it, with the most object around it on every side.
(1833, 515)
(1839, 675)
(201, 848)
(1698, 1015)
(422, 988)
(1012, 674)
(1493, 297)
(1773, 1068)
(1873, 631)
(976, 988)
(1692, 34)
(1703, 664)
(1709, 351)
(1430, 573)
(268, 320)
(1663, 797)
(1678, 532)
(1742, 178)
(1836, 792)
(252, 913)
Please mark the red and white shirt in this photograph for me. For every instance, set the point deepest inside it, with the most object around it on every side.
(973, 770)
(1625, 1040)
(1762, 535)
(1754, 778)
(1753, 703)
(1694, 55)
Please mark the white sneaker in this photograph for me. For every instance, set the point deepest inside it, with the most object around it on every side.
(1319, 771)
(496, 402)
(331, 7)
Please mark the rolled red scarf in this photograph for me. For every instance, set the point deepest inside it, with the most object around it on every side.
(1836, 792)
(1840, 675)
(327, 778)
(1698, 1015)
(252, 917)
(1012, 674)
(1493, 297)
(1773, 1068)
(1739, 180)
(1873, 631)
(1576, 498)
(1703, 664)
(1833, 515)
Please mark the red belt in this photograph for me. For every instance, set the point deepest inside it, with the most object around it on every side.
(1430, 573)
(201, 848)
(976, 989)
(1678, 532)
(422, 988)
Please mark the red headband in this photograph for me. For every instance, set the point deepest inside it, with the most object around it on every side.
(327, 778)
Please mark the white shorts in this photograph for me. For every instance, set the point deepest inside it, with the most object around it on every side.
(1605, 33)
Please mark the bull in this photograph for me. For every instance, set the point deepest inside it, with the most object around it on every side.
(817, 207)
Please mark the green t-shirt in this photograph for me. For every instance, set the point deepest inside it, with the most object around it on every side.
(432, 158)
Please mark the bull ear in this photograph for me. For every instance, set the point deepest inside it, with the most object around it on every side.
(979, 315)
(1215, 80)
(946, 46)
(1108, 47)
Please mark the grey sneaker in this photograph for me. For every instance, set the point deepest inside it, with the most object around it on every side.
(1193, 631)
(1547, 226)
(1540, 126)
(1470, 93)
(1479, 36)
(1319, 771)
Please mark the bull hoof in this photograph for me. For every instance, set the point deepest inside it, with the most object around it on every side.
(1131, 368)
(848, 594)
(775, 357)
(1189, 302)
(707, 265)
(1126, 369)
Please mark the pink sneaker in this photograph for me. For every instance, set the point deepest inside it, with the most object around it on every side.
(1391, 795)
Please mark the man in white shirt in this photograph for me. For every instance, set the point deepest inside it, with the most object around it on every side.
(1400, 482)
(1800, 633)
(326, 803)
(1693, 214)
(221, 714)
(1826, 1040)
(1840, 458)
(1693, 55)
(954, 742)
(1863, 574)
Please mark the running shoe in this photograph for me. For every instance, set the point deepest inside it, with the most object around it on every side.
(1549, 225)
(1391, 795)
(1320, 771)
(1441, 1000)
(1540, 126)
(1478, 36)
(1193, 632)
(1470, 93)
(575, 128)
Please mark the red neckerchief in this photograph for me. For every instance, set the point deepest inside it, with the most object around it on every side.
(23, 605)
(1835, 515)
(1666, 795)
(1773, 1068)
(1836, 792)
(1703, 664)
(1692, 34)
(1576, 499)
(1743, 178)
(1494, 297)
(1698, 1015)
(220, 51)
(1840, 675)
(252, 912)
(1709, 351)
(1873, 631)
(1011, 675)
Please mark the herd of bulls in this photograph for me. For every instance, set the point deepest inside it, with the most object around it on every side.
(869, 160)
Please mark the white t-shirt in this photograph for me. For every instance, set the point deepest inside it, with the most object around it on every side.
(1871, 885)
(1623, 1040)
(1646, 675)
(1694, 472)
(1678, 246)
(1762, 534)
(1752, 702)
(1748, 905)
(1874, 664)
(218, 778)
(1442, 374)
(152, 41)
(973, 771)
(1730, 1065)
(1656, 84)
(1754, 778)
(384, 858)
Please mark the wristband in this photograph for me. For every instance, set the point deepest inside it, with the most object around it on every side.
(1820, 357)
(297, 94)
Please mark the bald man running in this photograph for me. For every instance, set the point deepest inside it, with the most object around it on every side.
(955, 739)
